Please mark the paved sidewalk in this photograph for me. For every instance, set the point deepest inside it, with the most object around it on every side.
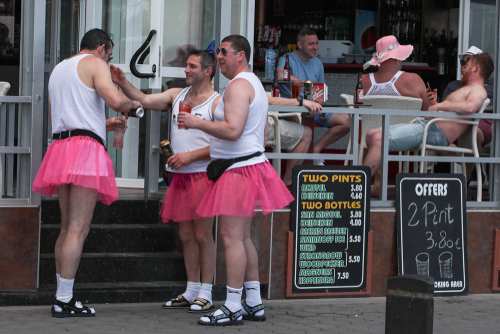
(470, 314)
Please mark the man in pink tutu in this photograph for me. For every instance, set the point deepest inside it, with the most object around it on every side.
(190, 182)
(238, 134)
(76, 165)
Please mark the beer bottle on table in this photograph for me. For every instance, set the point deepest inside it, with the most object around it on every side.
(286, 70)
(358, 96)
(276, 86)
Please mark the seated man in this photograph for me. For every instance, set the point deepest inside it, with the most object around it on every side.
(295, 138)
(484, 128)
(466, 100)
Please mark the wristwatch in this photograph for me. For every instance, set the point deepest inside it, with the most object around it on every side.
(300, 99)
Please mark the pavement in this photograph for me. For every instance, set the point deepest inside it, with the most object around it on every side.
(467, 314)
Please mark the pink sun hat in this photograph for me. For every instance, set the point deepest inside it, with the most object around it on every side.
(388, 47)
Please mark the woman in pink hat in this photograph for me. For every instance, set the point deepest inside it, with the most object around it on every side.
(390, 80)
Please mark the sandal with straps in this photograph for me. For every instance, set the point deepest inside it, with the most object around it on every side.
(251, 312)
(177, 303)
(206, 306)
(215, 319)
(72, 309)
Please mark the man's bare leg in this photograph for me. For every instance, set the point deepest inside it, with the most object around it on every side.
(77, 207)
(373, 157)
(338, 127)
(203, 231)
(232, 231)
(302, 147)
(82, 202)
(190, 249)
(252, 283)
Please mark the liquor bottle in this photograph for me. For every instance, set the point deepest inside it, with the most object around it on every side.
(359, 95)
(276, 86)
(286, 70)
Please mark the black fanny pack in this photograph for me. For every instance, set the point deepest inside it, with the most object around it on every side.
(217, 167)
(77, 132)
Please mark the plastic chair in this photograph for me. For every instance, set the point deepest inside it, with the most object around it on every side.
(4, 88)
(375, 121)
(467, 143)
(348, 99)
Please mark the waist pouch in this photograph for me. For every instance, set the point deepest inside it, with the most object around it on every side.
(216, 168)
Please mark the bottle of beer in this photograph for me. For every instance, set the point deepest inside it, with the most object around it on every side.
(276, 86)
(358, 96)
(286, 70)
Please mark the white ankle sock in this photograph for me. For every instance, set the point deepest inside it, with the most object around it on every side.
(205, 293)
(252, 291)
(57, 279)
(65, 289)
(192, 290)
(233, 303)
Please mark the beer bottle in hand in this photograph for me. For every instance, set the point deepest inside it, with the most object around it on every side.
(276, 86)
(286, 70)
(358, 96)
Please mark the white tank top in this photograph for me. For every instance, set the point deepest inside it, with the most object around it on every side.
(385, 88)
(188, 140)
(253, 135)
(74, 105)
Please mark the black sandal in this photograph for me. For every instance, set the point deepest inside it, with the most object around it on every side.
(70, 309)
(177, 303)
(251, 312)
(206, 306)
(214, 319)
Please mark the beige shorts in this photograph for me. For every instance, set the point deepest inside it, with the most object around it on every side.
(290, 134)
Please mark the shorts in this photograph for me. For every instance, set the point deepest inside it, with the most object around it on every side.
(322, 123)
(406, 137)
(290, 133)
(485, 126)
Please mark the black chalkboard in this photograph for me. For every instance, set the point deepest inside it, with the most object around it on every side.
(432, 229)
(330, 221)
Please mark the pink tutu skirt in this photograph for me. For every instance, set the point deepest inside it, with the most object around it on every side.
(183, 197)
(81, 161)
(238, 191)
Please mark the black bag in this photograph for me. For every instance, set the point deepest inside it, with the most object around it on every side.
(217, 167)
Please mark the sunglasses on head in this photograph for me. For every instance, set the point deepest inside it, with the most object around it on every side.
(464, 62)
(224, 51)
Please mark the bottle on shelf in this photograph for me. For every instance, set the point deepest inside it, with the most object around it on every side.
(359, 94)
(276, 87)
(270, 63)
(286, 69)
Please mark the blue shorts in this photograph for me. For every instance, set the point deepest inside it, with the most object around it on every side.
(406, 137)
(320, 122)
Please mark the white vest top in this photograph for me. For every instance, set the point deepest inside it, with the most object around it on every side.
(384, 88)
(74, 105)
(188, 140)
(253, 135)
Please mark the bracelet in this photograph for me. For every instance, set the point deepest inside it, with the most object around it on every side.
(300, 99)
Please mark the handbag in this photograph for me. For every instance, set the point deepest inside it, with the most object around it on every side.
(217, 167)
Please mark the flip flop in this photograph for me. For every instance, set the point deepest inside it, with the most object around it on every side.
(177, 303)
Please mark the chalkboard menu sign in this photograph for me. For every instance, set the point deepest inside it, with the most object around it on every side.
(432, 229)
(330, 222)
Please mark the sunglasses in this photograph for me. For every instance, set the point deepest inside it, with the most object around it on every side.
(224, 51)
(464, 62)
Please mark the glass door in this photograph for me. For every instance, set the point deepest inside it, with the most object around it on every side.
(180, 26)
